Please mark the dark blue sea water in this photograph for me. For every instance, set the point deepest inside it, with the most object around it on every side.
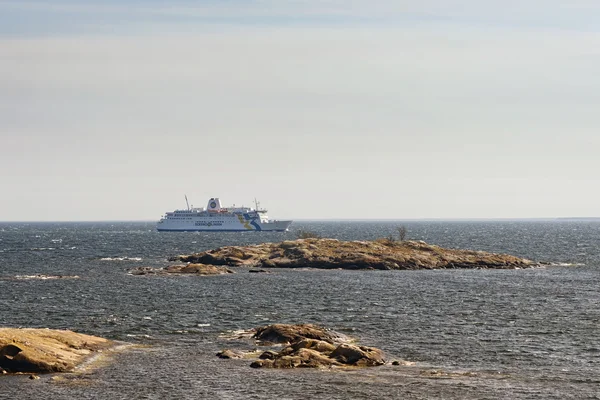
(472, 334)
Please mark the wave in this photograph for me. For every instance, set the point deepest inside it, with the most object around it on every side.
(124, 258)
(44, 277)
(564, 264)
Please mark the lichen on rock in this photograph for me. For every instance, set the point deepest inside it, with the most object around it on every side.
(382, 254)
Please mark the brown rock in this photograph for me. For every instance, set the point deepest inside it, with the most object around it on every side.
(311, 346)
(358, 355)
(268, 355)
(230, 354)
(46, 350)
(283, 333)
(262, 364)
(203, 269)
(303, 358)
(190, 269)
(383, 254)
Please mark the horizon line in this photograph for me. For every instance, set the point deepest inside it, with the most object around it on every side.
(424, 219)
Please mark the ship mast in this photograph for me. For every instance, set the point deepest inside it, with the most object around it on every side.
(186, 202)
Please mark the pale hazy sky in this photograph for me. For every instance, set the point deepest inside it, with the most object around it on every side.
(114, 110)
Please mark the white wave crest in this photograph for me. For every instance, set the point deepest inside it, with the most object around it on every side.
(45, 277)
(563, 264)
(124, 258)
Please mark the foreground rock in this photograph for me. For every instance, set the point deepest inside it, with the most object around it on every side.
(383, 254)
(190, 269)
(309, 346)
(46, 350)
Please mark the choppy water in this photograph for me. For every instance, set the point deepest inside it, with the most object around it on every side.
(518, 334)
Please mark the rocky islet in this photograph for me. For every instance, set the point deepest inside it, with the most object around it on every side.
(382, 254)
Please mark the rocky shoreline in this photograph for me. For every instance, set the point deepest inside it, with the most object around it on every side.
(37, 351)
(46, 350)
(382, 254)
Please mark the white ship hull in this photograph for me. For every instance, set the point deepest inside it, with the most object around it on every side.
(220, 225)
(214, 218)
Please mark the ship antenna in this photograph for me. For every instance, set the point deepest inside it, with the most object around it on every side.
(186, 202)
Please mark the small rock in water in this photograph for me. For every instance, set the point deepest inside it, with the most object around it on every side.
(34, 377)
(268, 355)
(229, 354)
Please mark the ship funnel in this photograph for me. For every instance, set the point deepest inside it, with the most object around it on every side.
(214, 204)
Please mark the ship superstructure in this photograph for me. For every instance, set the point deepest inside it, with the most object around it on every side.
(214, 217)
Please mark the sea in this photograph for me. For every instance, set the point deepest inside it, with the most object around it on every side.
(457, 334)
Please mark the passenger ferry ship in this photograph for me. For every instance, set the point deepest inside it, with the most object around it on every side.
(217, 218)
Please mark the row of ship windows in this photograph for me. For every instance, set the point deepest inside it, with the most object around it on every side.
(179, 217)
(204, 216)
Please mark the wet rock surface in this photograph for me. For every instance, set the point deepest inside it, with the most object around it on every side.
(258, 271)
(382, 254)
(234, 354)
(309, 346)
(46, 350)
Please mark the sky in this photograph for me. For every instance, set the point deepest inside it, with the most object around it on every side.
(382, 109)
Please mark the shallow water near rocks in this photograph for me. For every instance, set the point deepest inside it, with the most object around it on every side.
(518, 334)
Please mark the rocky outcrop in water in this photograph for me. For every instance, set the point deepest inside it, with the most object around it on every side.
(46, 350)
(190, 269)
(287, 334)
(311, 353)
(308, 346)
(383, 254)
